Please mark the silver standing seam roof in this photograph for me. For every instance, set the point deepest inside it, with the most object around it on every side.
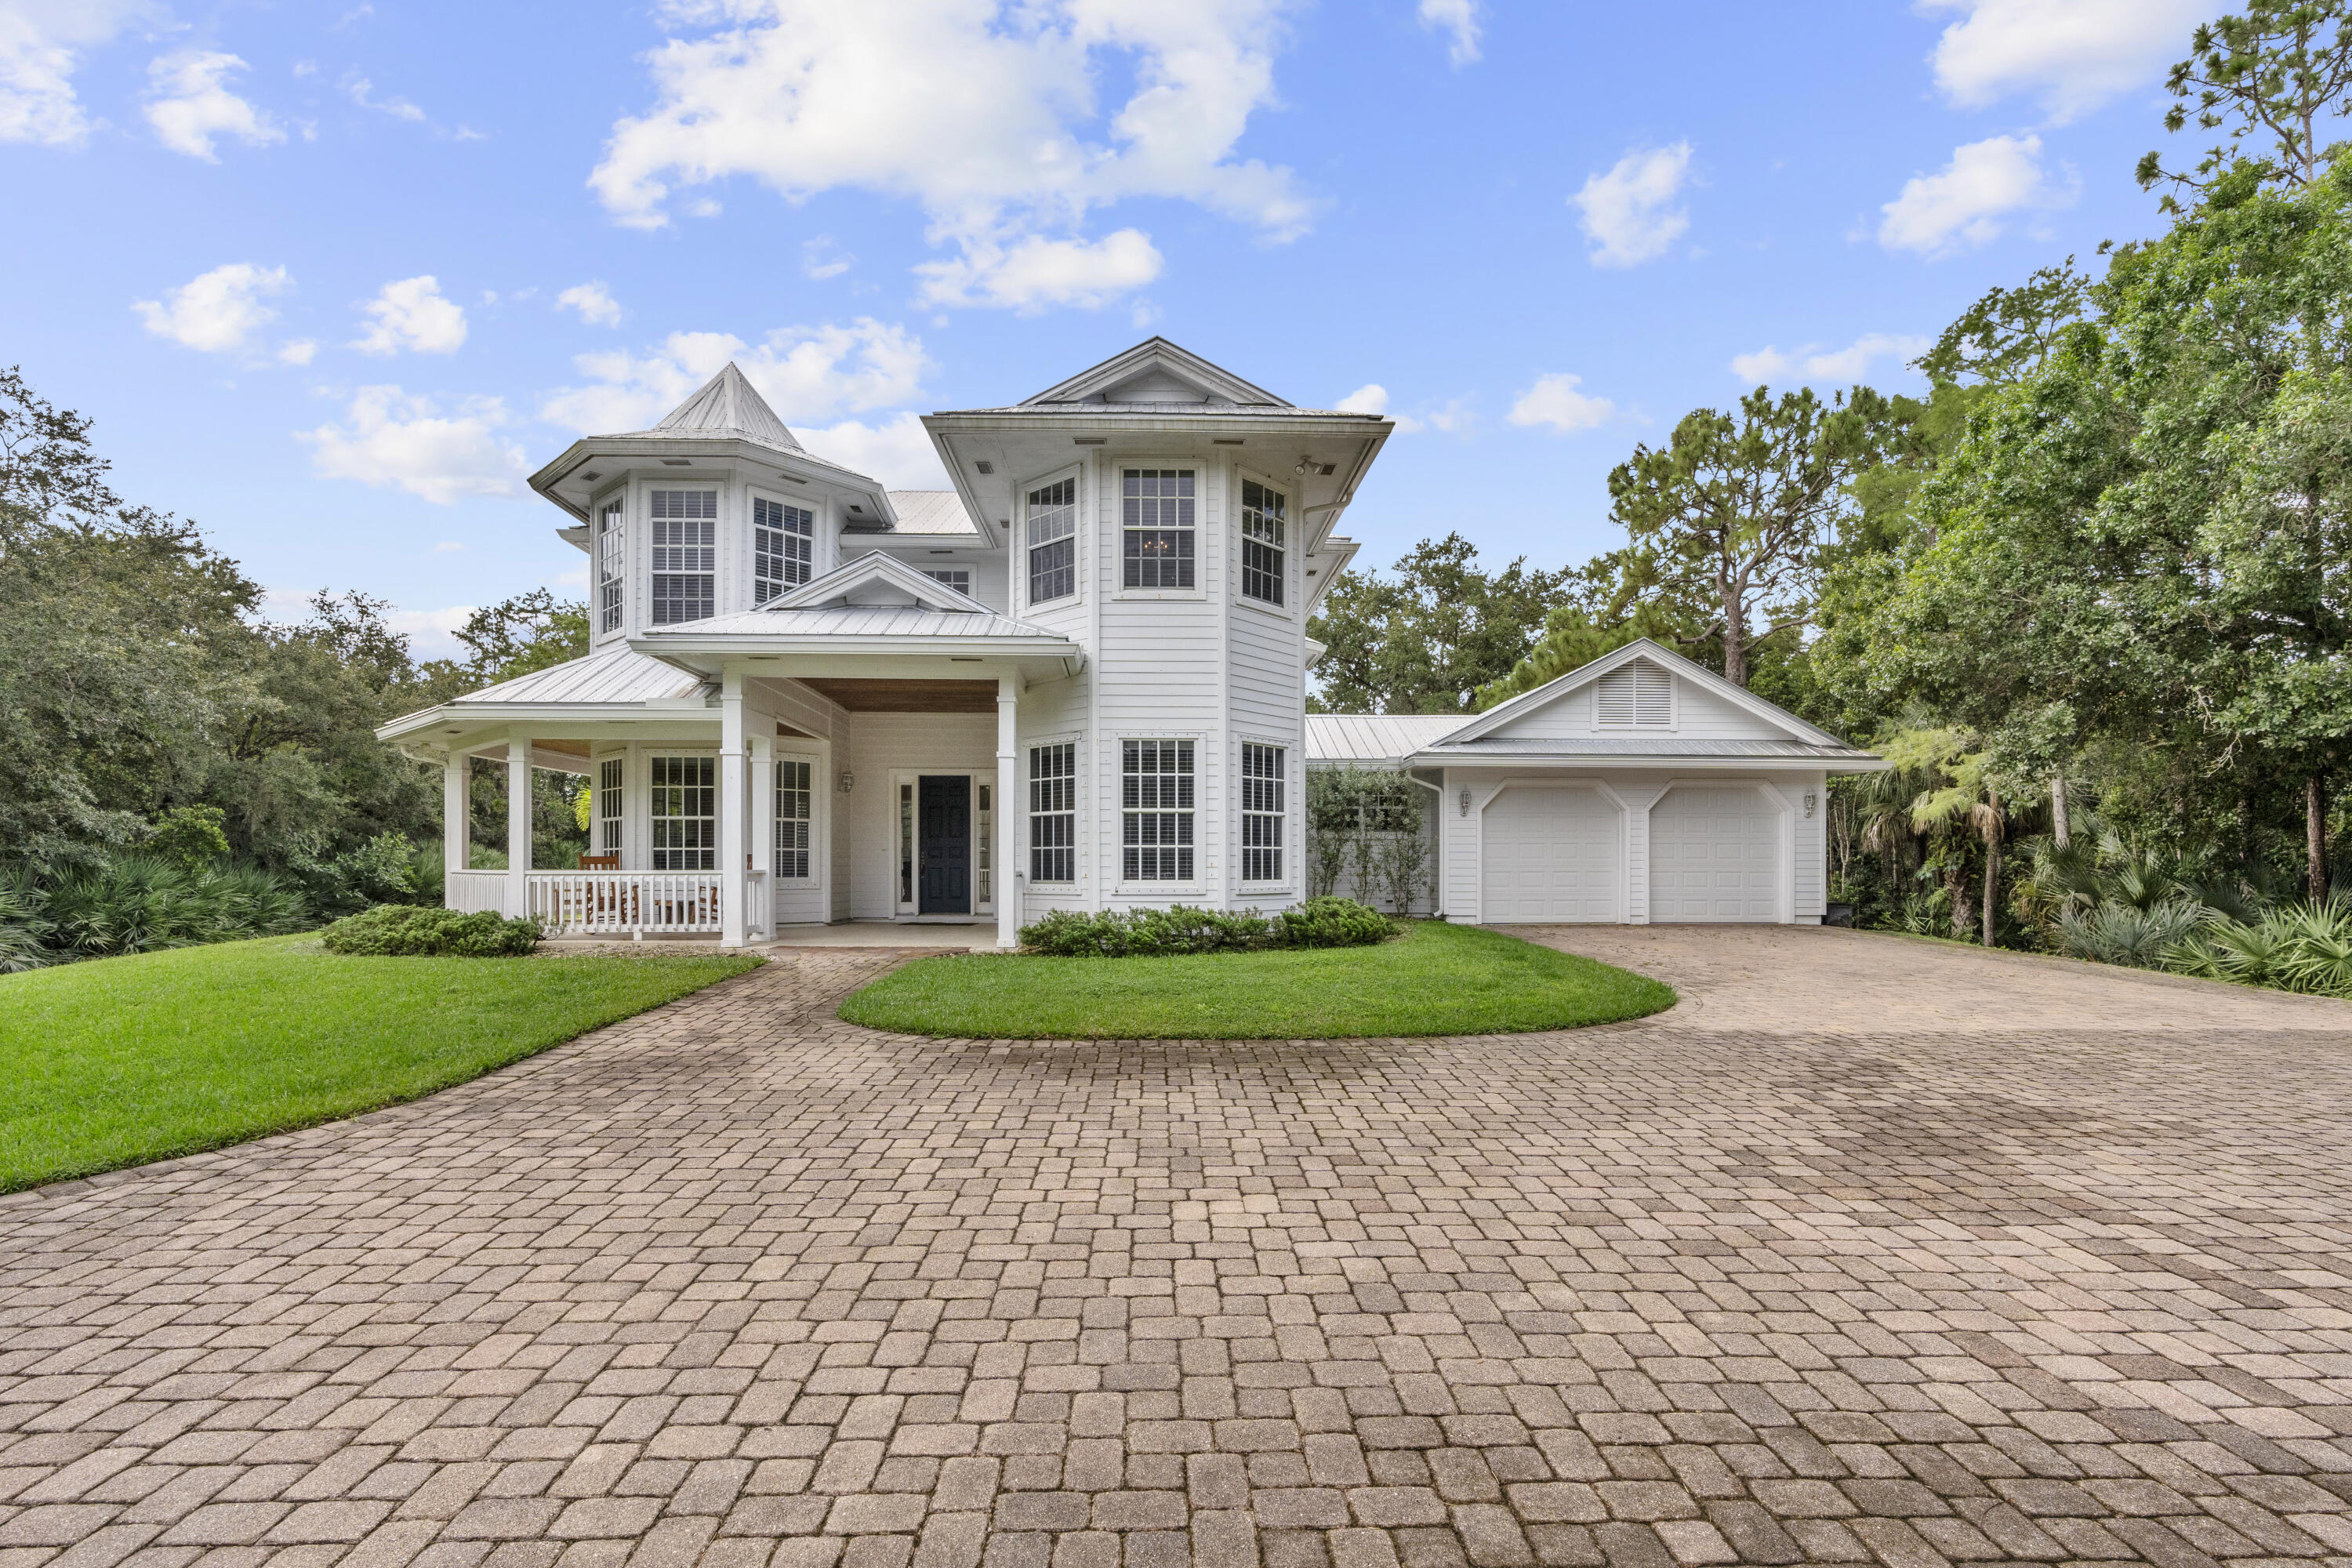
(616, 675)
(1376, 737)
(925, 512)
(852, 621)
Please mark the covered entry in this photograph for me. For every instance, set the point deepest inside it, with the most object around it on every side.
(1552, 852)
(1715, 854)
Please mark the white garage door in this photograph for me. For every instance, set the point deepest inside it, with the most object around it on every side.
(1715, 855)
(1551, 852)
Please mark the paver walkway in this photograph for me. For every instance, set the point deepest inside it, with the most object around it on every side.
(1873, 1249)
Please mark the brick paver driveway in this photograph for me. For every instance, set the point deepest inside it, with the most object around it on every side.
(1873, 1248)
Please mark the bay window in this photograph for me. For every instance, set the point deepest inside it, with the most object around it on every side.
(1053, 514)
(1156, 811)
(783, 547)
(685, 556)
(612, 565)
(1156, 527)
(1265, 805)
(1264, 549)
(1053, 813)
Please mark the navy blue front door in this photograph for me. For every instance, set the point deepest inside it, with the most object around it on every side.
(943, 850)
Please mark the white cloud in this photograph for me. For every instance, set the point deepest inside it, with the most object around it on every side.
(594, 301)
(1554, 401)
(2072, 55)
(978, 110)
(362, 91)
(41, 46)
(430, 634)
(804, 372)
(1812, 363)
(189, 105)
(411, 314)
(1373, 398)
(447, 547)
(823, 258)
(1036, 272)
(298, 351)
(896, 450)
(1963, 205)
(391, 439)
(1627, 211)
(1458, 18)
(220, 311)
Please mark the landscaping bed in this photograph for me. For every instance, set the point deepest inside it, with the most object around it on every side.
(119, 1061)
(1434, 978)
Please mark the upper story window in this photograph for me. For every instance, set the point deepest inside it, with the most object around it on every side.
(1264, 542)
(956, 577)
(685, 556)
(1635, 696)
(1156, 523)
(1053, 540)
(783, 547)
(612, 565)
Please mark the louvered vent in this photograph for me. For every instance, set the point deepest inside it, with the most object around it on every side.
(1639, 696)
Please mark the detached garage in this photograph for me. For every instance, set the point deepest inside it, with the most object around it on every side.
(1641, 788)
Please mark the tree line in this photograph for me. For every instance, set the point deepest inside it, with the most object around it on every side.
(2091, 591)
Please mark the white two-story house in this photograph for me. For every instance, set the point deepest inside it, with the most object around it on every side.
(1076, 680)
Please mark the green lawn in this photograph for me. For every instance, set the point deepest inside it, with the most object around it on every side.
(1436, 979)
(117, 1062)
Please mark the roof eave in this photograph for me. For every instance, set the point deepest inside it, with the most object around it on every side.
(642, 444)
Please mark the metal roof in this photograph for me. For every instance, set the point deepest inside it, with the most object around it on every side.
(1647, 746)
(615, 675)
(726, 406)
(852, 621)
(929, 512)
(1168, 410)
(1375, 737)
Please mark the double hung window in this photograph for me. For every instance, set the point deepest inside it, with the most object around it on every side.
(1156, 527)
(1053, 540)
(1264, 806)
(783, 547)
(608, 805)
(685, 814)
(1156, 811)
(685, 556)
(1263, 543)
(795, 809)
(1053, 813)
(612, 565)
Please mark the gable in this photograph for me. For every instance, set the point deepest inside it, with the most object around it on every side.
(876, 581)
(1642, 689)
(1156, 371)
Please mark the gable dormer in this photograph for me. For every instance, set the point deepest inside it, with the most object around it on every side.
(876, 581)
(1155, 373)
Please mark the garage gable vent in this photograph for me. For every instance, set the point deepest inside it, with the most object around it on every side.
(1639, 696)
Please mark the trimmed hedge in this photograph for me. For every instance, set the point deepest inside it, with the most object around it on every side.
(1182, 928)
(412, 931)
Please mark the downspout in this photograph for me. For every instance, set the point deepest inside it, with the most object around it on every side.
(1436, 846)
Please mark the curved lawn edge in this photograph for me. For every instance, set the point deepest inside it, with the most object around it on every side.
(1434, 979)
(113, 1064)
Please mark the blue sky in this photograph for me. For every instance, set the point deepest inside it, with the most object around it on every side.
(334, 279)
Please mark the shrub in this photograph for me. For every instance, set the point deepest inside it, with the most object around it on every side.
(412, 931)
(1332, 923)
(135, 903)
(2127, 934)
(2300, 948)
(1182, 928)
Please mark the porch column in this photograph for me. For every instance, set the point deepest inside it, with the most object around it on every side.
(456, 818)
(1009, 877)
(761, 826)
(518, 822)
(732, 807)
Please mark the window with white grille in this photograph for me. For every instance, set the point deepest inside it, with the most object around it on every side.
(783, 547)
(1155, 524)
(1156, 808)
(1264, 551)
(796, 805)
(1265, 802)
(1053, 540)
(1635, 696)
(956, 577)
(1053, 813)
(612, 565)
(685, 556)
(684, 808)
(608, 805)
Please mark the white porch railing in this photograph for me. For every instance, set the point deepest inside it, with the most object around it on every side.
(571, 903)
(470, 893)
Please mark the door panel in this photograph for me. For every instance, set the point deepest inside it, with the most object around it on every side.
(943, 844)
(1715, 856)
(1551, 853)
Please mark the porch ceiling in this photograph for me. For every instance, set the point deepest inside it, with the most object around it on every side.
(906, 696)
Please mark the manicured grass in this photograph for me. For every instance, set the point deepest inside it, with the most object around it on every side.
(1436, 979)
(119, 1061)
